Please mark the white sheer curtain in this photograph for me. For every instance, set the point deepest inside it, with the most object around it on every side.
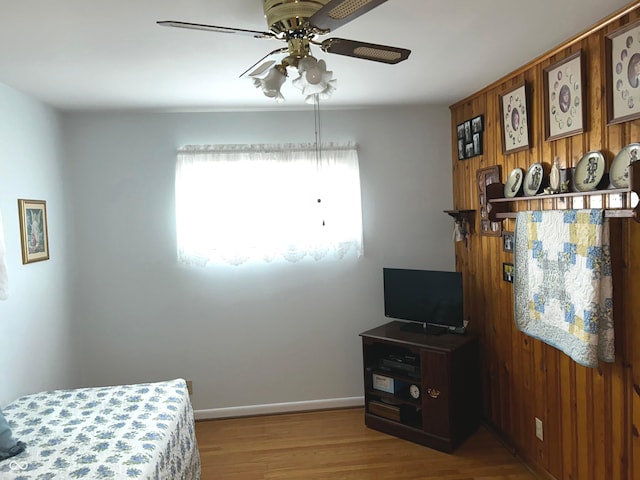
(240, 203)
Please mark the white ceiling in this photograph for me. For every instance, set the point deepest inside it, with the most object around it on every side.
(85, 54)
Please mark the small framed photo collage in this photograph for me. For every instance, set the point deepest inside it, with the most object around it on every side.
(470, 137)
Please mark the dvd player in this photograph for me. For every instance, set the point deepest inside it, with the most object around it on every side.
(400, 366)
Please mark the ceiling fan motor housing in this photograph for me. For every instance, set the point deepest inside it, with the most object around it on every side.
(284, 16)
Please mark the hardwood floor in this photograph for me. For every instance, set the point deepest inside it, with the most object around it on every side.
(337, 445)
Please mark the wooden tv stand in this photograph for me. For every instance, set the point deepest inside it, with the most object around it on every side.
(445, 368)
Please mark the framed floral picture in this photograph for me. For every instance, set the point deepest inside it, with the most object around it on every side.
(34, 234)
(514, 119)
(564, 103)
(622, 49)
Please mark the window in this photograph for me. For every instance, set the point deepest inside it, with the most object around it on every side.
(251, 203)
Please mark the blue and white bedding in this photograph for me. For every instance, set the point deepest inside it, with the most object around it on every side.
(142, 431)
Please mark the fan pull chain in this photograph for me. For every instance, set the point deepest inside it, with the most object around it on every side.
(316, 118)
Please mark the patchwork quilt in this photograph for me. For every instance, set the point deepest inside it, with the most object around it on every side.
(563, 286)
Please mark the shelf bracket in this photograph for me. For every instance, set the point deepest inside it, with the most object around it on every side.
(462, 216)
(464, 219)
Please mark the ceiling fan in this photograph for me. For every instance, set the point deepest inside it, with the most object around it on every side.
(298, 23)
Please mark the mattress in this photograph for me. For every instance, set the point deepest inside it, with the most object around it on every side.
(142, 431)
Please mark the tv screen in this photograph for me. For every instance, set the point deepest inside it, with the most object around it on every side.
(425, 296)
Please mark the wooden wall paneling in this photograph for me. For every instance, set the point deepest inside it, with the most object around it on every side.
(517, 393)
(505, 306)
(591, 417)
(533, 77)
(498, 327)
(634, 458)
(618, 401)
(506, 384)
(501, 329)
(619, 393)
(527, 425)
(510, 360)
(614, 390)
(553, 419)
(488, 319)
(540, 393)
(547, 150)
(600, 422)
(584, 424)
(597, 136)
(491, 130)
(633, 353)
(568, 411)
(619, 449)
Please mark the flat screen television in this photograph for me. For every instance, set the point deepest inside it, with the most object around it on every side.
(428, 300)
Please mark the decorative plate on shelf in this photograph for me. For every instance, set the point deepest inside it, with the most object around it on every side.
(619, 171)
(533, 180)
(514, 183)
(589, 171)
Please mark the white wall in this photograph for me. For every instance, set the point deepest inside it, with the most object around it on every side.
(35, 335)
(244, 335)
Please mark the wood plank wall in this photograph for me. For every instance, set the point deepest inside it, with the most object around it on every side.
(591, 417)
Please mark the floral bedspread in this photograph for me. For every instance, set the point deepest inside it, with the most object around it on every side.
(142, 431)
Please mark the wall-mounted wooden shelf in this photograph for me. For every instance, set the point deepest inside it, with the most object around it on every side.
(621, 207)
(466, 220)
(462, 215)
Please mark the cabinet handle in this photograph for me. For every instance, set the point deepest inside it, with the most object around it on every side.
(433, 392)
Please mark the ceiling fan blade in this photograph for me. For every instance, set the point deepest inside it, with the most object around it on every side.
(214, 28)
(366, 51)
(338, 12)
(262, 68)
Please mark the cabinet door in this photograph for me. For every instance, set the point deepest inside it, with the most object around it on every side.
(436, 392)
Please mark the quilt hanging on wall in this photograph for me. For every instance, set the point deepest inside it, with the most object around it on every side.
(563, 286)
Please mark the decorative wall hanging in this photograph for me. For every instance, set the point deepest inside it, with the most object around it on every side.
(34, 234)
(563, 292)
(514, 120)
(619, 170)
(507, 242)
(508, 272)
(513, 185)
(589, 172)
(623, 73)
(532, 184)
(564, 104)
(470, 137)
(487, 176)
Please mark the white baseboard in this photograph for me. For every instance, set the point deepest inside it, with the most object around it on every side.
(274, 408)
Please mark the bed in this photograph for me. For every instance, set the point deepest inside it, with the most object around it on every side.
(141, 431)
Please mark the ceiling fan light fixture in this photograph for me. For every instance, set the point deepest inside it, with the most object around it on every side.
(272, 83)
(314, 77)
(323, 94)
(314, 70)
(298, 23)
